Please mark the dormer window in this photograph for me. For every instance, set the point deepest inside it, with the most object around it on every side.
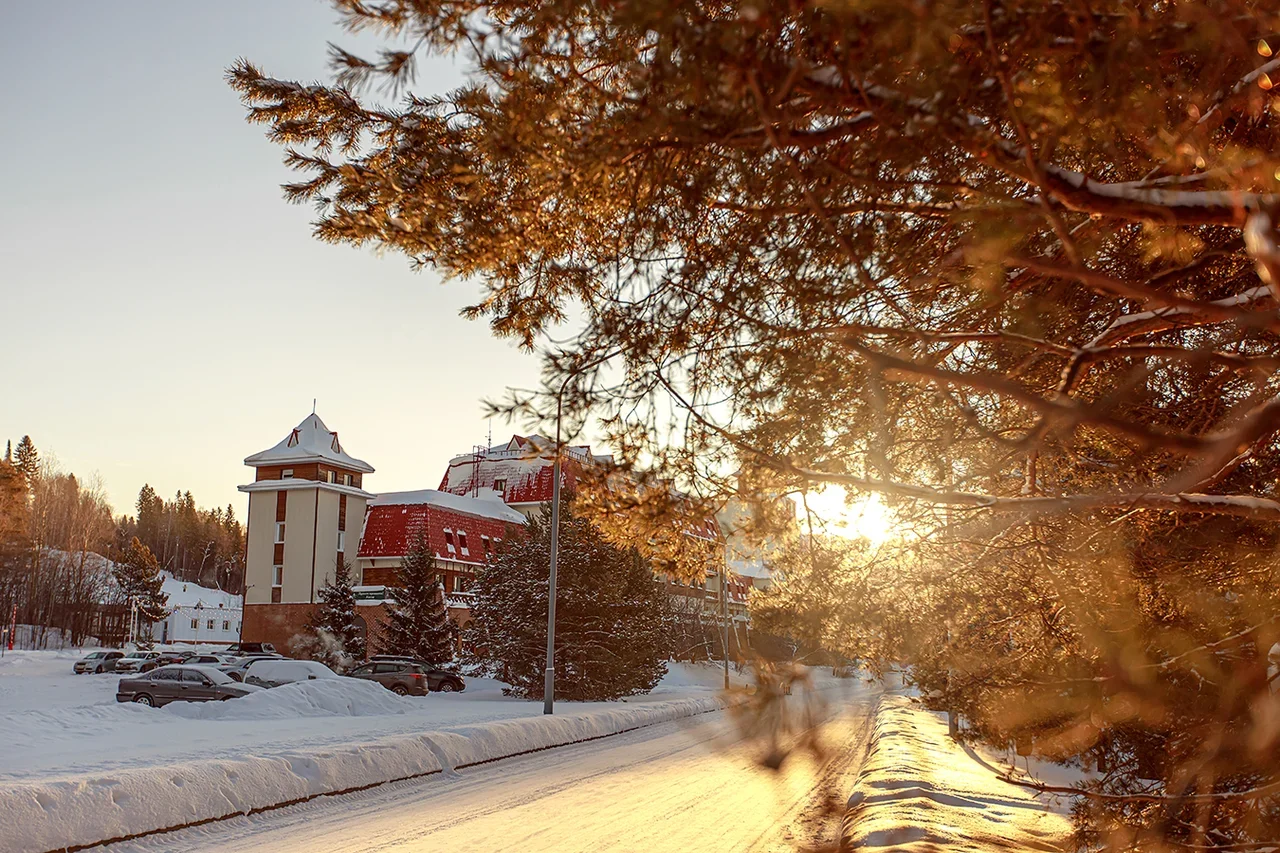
(448, 542)
(331, 476)
(346, 479)
(462, 543)
(286, 474)
(500, 485)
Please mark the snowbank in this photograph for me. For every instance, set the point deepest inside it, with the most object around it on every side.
(50, 815)
(324, 697)
(919, 792)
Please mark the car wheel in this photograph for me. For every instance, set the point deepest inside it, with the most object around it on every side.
(98, 671)
(143, 699)
(400, 690)
(448, 687)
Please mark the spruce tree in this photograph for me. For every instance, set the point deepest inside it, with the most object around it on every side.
(611, 635)
(419, 623)
(331, 634)
(27, 459)
(138, 574)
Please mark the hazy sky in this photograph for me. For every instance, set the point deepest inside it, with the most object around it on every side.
(165, 312)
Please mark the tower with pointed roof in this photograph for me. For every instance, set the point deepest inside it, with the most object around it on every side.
(306, 509)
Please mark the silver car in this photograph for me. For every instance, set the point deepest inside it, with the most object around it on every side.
(97, 662)
(138, 662)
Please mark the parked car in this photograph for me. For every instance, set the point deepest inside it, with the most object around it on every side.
(180, 684)
(216, 659)
(167, 658)
(399, 676)
(236, 668)
(138, 662)
(272, 672)
(241, 649)
(97, 662)
(438, 679)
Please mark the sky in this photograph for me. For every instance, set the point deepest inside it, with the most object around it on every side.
(164, 313)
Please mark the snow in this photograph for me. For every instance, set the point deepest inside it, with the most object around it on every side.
(685, 785)
(921, 791)
(311, 440)
(188, 594)
(79, 769)
(488, 507)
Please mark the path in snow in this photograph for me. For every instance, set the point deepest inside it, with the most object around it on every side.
(682, 786)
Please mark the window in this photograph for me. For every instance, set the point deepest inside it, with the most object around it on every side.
(331, 476)
(387, 668)
(484, 542)
(462, 541)
(210, 624)
(459, 583)
(192, 677)
(500, 484)
(342, 540)
(226, 626)
(195, 623)
(367, 669)
(165, 675)
(277, 575)
(237, 627)
(286, 474)
(448, 542)
(279, 532)
(346, 479)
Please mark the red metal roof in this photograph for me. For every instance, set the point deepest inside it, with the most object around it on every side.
(391, 530)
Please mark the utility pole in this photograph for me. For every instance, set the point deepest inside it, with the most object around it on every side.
(549, 674)
(724, 616)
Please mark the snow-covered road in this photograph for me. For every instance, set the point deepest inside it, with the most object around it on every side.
(689, 785)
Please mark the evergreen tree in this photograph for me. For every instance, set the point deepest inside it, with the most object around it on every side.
(27, 459)
(611, 635)
(138, 574)
(419, 623)
(332, 635)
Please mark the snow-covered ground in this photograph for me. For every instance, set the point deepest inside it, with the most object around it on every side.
(920, 791)
(686, 785)
(81, 768)
(55, 724)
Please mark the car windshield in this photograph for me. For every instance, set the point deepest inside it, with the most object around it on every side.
(214, 675)
(94, 656)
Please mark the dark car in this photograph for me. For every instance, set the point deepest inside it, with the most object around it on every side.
(138, 662)
(399, 676)
(242, 649)
(167, 658)
(97, 662)
(237, 669)
(180, 684)
(441, 680)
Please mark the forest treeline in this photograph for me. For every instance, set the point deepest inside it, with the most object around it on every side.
(56, 528)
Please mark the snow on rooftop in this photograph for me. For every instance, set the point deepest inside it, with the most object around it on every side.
(489, 506)
(188, 594)
(310, 440)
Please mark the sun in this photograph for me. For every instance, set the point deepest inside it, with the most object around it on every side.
(831, 511)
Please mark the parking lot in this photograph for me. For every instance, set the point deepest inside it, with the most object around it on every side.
(55, 724)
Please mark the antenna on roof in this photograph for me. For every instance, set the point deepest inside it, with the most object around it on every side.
(313, 405)
(490, 444)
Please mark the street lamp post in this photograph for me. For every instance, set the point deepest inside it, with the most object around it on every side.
(549, 675)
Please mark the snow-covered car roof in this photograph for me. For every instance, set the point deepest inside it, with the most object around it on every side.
(274, 667)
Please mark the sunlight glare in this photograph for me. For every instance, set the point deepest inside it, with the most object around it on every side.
(866, 516)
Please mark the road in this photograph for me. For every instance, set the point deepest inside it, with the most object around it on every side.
(690, 785)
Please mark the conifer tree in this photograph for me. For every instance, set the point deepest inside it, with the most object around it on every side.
(611, 632)
(138, 574)
(27, 459)
(419, 623)
(332, 636)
